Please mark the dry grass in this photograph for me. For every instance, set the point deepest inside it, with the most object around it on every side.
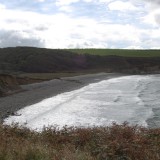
(118, 142)
(49, 76)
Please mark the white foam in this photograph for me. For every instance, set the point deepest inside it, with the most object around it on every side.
(113, 100)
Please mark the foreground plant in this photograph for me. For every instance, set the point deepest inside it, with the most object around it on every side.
(118, 142)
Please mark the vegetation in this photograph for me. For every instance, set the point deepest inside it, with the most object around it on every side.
(118, 52)
(118, 142)
(8, 85)
(39, 60)
(49, 76)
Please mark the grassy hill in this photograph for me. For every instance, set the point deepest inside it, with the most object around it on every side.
(118, 52)
(40, 60)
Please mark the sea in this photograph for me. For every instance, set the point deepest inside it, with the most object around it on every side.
(134, 99)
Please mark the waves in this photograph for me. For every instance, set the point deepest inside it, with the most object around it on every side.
(129, 98)
(151, 98)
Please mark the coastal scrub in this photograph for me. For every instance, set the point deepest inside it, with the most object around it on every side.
(117, 142)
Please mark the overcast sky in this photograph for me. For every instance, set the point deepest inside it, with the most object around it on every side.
(80, 23)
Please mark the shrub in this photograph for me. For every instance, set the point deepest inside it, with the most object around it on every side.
(117, 142)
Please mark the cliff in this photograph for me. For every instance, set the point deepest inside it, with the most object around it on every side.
(8, 85)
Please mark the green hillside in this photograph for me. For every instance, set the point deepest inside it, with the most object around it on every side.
(118, 52)
(41, 60)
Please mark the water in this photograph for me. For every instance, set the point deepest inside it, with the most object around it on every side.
(135, 99)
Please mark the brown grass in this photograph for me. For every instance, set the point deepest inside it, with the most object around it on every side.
(49, 76)
(118, 142)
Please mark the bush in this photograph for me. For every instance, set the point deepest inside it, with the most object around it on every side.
(117, 142)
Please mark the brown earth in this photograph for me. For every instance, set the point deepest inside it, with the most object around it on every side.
(8, 84)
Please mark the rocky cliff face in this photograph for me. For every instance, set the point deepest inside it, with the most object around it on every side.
(8, 85)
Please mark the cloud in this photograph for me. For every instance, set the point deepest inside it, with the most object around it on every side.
(65, 2)
(61, 31)
(153, 15)
(121, 6)
(66, 8)
(157, 2)
(19, 28)
(2, 6)
(41, 0)
(157, 18)
(104, 29)
(14, 38)
(88, 1)
(105, 1)
(152, 18)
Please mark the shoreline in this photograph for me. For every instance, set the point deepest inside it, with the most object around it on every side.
(36, 92)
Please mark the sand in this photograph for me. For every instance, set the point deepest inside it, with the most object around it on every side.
(34, 93)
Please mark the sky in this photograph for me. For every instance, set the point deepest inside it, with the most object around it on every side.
(126, 24)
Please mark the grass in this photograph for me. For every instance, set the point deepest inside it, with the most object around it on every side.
(118, 52)
(118, 142)
(41, 60)
(49, 76)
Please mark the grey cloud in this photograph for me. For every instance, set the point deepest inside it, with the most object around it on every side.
(154, 4)
(157, 18)
(76, 35)
(153, 1)
(41, 28)
(13, 39)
